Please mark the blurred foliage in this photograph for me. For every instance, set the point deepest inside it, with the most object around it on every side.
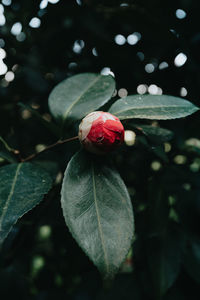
(40, 259)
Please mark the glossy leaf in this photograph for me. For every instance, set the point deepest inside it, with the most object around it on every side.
(157, 107)
(79, 95)
(22, 187)
(97, 210)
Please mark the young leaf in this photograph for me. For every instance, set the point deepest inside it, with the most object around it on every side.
(157, 107)
(98, 211)
(22, 187)
(79, 95)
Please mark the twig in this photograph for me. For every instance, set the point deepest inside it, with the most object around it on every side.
(59, 142)
(8, 147)
(11, 150)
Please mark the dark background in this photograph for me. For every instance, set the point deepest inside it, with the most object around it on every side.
(40, 259)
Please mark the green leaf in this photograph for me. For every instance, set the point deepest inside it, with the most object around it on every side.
(22, 187)
(98, 211)
(158, 150)
(79, 95)
(49, 125)
(191, 259)
(157, 107)
(164, 257)
(155, 134)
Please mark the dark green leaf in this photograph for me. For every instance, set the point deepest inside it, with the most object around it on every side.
(164, 256)
(22, 187)
(79, 95)
(49, 125)
(158, 150)
(98, 212)
(191, 259)
(158, 206)
(155, 134)
(157, 107)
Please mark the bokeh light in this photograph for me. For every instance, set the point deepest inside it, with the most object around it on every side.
(132, 39)
(142, 89)
(149, 68)
(16, 28)
(129, 137)
(180, 13)
(120, 39)
(180, 60)
(35, 22)
(183, 92)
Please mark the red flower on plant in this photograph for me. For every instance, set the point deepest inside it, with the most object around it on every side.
(101, 132)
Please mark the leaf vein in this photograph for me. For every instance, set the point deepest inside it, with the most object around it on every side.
(76, 101)
(84, 212)
(98, 220)
(5, 208)
(149, 107)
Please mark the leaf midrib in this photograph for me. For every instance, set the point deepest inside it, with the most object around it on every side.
(79, 97)
(5, 208)
(98, 220)
(147, 107)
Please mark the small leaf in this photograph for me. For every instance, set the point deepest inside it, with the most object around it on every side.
(22, 187)
(79, 95)
(157, 107)
(98, 211)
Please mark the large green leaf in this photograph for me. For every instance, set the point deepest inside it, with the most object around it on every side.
(98, 211)
(159, 107)
(79, 95)
(22, 187)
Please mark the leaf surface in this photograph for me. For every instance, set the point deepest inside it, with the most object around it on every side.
(22, 187)
(155, 134)
(191, 259)
(79, 95)
(97, 209)
(156, 107)
(164, 257)
(49, 125)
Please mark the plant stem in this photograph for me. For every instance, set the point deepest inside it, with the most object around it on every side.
(59, 142)
(8, 147)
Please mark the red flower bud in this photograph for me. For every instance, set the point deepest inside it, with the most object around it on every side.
(100, 132)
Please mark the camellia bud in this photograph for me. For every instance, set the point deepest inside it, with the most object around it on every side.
(100, 132)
